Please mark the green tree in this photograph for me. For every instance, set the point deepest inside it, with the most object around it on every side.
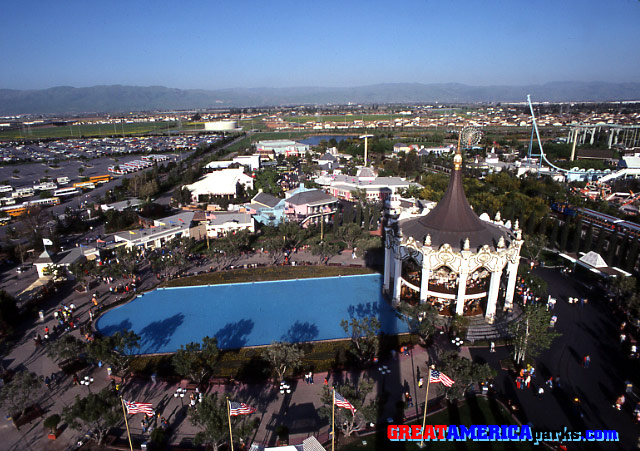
(324, 250)
(553, 238)
(349, 233)
(364, 334)
(182, 196)
(622, 287)
(20, 392)
(533, 246)
(294, 234)
(356, 393)
(588, 239)
(196, 361)
(274, 245)
(9, 312)
(422, 319)
(96, 412)
(577, 236)
(612, 247)
(531, 333)
(65, 348)
(542, 229)
(227, 250)
(283, 357)
(464, 372)
(564, 236)
(531, 224)
(365, 244)
(211, 417)
(632, 256)
(117, 350)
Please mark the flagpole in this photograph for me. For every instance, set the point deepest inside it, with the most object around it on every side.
(229, 417)
(333, 422)
(124, 413)
(426, 400)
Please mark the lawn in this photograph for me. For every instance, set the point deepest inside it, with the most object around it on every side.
(265, 274)
(77, 131)
(476, 410)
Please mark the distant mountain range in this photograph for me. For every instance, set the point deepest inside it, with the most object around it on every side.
(118, 98)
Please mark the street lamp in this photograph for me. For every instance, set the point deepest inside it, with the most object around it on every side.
(180, 392)
(87, 381)
(284, 387)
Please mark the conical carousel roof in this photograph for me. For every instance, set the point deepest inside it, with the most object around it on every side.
(452, 221)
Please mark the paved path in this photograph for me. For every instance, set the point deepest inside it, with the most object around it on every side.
(589, 329)
(592, 330)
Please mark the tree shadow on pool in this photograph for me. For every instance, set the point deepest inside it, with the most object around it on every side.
(301, 332)
(112, 329)
(364, 310)
(157, 335)
(234, 335)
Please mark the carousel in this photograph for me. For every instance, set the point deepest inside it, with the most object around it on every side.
(452, 258)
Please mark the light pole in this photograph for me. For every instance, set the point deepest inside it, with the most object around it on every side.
(87, 381)
(180, 392)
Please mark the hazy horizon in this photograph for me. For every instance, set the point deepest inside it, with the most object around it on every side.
(284, 44)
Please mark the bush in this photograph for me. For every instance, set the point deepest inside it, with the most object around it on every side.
(52, 423)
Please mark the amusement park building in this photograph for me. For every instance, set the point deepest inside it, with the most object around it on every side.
(452, 258)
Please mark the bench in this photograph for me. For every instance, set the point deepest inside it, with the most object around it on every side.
(30, 414)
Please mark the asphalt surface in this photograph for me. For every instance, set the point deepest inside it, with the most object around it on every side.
(590, 329)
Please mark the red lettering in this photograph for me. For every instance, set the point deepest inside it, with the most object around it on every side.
(392, 432)
(416, 432)
(404, 432)
(442, 429)
(428, 433)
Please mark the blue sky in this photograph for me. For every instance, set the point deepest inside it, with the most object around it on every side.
(233, 43)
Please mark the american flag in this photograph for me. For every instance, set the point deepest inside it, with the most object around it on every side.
(240, 408)
(438, 377)
(341, 402)
(139, 407)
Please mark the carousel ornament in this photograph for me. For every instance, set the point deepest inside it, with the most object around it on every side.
(427, 240)
(498, 218)
(516, 226)
(466, 245)
(501, 244)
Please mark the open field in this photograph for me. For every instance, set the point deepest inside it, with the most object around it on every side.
(343, 118)
(88, 130)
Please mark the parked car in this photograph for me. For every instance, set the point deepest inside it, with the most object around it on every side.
(23, 268)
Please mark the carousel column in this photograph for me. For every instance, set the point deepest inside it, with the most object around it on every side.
(397, 277)
(511, 285)
(462, 289)
(492, 297)
(424, 280)
(387, 268)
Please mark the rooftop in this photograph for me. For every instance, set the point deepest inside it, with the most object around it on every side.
(452, 221)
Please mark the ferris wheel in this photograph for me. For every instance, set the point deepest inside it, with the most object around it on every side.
(470, 136)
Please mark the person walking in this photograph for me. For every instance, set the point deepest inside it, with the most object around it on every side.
(420, 382)
(492, 347)
(586, 361)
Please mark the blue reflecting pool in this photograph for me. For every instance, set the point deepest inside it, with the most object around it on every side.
(251, 314)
